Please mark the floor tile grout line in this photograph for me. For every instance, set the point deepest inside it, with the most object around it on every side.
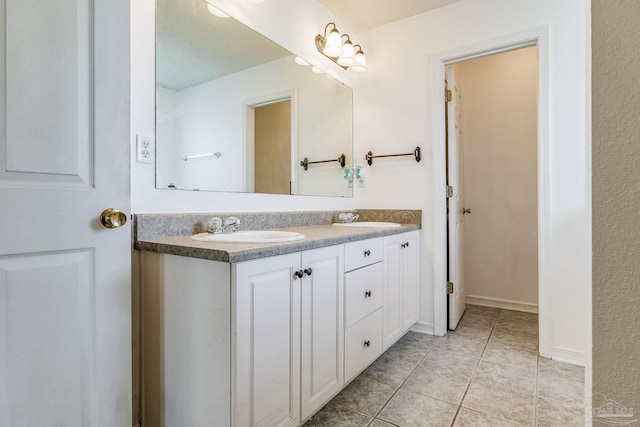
(404, 381)
(427, 348)
(536, 374)
(475, 369)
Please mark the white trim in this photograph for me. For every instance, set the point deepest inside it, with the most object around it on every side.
(422, 328)
(501, 303)
(539, 37)
(568, 355)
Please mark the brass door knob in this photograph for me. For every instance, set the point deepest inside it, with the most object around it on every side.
(466, 211)
(112, 218)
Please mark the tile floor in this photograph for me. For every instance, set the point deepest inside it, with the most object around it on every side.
(486, 373)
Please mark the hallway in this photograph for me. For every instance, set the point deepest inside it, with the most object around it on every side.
(486, 373)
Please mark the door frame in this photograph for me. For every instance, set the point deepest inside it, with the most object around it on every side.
(539, 38)
(248, 126)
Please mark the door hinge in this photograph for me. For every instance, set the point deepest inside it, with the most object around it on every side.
(449, 191)
(448, 95)
(449, 287)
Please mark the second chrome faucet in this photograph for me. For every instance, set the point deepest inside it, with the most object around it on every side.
(229, 225)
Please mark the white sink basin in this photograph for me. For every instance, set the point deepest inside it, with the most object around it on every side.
(371, 224)
(250, 236)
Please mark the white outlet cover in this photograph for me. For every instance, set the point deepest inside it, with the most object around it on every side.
(144, 149)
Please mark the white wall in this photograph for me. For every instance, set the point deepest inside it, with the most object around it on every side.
(499, 126)
(274, 20)
(394, 114)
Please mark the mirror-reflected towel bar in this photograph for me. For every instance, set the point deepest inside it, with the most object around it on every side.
(416, 153)
(305, 163)
(199, 156)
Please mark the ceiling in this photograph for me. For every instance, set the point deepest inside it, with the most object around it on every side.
(193, 46)
(362, 15)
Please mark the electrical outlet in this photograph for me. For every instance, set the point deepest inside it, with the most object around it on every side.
(144, 149)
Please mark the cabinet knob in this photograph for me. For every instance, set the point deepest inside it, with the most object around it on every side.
(367, 343)
(367, 252)
(367, 294)
(298, 274)
(308, 271)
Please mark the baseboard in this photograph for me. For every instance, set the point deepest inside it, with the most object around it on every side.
(501, 303)
(422, 328)
(567, 355)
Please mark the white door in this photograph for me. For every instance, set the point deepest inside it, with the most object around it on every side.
(322, 334)
(65, 323)
(455, 206)
(392, 327)
(410, 274)
(267, 331)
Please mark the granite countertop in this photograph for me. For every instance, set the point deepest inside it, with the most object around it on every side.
(316, 236)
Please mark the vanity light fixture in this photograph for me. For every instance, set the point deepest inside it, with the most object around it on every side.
(342, 53)
(348, 57)
(361, 62)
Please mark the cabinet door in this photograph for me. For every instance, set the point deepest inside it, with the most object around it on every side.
(393, 324)
(410, 268)
(322, 327)
(267, 358)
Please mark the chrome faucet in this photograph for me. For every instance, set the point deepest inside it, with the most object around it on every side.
(229, 225)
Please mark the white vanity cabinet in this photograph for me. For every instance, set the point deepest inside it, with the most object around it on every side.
(289, 336)
(400, 285)
(363, 304)
(267, 342)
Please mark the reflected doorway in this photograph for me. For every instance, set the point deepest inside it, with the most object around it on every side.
(272, 148)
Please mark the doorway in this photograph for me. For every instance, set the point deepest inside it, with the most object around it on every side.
(270, 144)
(491, 122)
(536, 37)
(272, 148)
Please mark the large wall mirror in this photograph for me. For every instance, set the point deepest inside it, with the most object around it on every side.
(235, 112)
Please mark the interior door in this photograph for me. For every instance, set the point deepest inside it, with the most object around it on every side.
(65, 323)
(273, 148)
(455, 223)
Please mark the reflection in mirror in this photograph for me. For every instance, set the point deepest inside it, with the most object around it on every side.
(235, 112)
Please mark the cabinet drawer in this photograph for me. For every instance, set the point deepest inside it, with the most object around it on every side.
(362, 344)
(361, 253)
(363, 292)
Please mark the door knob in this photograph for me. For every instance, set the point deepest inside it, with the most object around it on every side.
(112, 218)
(466, 211)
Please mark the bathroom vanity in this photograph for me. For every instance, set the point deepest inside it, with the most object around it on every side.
(266, 334)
